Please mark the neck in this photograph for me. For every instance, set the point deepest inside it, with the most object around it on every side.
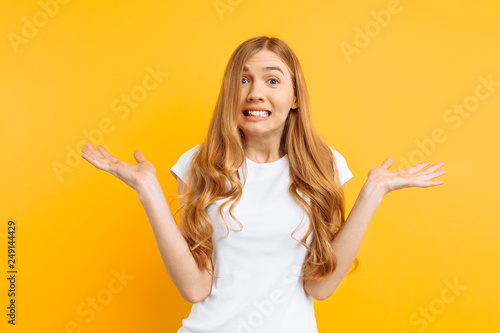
(262, 150)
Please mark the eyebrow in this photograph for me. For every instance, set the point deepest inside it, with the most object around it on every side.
(267, 68)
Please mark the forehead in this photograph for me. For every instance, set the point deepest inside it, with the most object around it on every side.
(265, 60)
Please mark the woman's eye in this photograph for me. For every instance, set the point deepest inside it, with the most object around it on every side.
(245, 79)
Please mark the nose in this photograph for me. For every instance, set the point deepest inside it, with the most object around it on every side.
(255, 93)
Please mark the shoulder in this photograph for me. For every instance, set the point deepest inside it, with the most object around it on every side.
(181, 167)
(338, 156)
(189, 153)
(344, 173)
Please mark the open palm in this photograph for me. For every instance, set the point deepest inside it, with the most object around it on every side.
(132, 174)
(414, 176)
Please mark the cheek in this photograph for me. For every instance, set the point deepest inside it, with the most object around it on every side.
(284, 100)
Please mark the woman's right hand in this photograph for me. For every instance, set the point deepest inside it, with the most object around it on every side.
(134, 175)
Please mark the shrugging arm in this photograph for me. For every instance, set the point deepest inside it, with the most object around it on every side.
(193, 284)
(348, 241)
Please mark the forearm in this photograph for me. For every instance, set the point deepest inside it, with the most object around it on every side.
(348, 241)
(178, 259)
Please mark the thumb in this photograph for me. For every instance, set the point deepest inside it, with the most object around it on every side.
(388, 163)
(139, 157)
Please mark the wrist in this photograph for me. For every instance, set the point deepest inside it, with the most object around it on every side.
(147, 187)
(372, 190)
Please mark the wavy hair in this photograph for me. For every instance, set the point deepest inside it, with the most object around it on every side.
(214, 175)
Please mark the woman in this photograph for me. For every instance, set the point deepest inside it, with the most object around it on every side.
(262, 228)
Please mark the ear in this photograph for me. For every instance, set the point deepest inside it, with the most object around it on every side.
(295, 105)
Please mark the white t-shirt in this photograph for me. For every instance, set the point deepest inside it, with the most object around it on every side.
(258, 289)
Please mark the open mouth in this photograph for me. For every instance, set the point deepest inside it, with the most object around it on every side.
(259, 113)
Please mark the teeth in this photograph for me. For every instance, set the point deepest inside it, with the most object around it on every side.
(258, 113)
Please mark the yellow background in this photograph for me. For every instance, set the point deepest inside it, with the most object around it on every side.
(75, 232)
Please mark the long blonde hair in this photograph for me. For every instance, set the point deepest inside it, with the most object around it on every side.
(213, 173)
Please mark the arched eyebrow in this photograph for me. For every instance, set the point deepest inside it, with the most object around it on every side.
(267, 68)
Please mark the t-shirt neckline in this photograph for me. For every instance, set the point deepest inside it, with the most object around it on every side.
(268, 164)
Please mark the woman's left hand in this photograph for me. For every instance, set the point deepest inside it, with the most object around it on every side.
(415, 176)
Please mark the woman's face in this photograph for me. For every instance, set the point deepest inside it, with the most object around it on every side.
(266, 84)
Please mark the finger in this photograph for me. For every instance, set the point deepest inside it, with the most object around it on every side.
(107, 154)
(417, 167)
(432, 175)
(107, 163)
(99, 163)
(139, 157)
(428, 183)
(387, 163)
(433, 167)
(92, 153)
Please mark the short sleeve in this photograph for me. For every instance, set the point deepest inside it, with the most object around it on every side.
(344, 173)
(181, 167)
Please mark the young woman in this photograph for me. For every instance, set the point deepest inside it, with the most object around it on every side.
(262, 226)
